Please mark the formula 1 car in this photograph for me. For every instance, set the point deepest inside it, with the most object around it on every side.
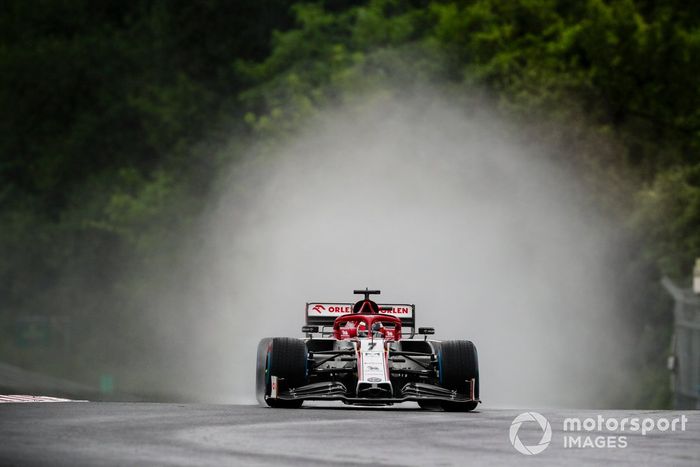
(366, 354)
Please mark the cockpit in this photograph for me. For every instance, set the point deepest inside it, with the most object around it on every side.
(367, 325)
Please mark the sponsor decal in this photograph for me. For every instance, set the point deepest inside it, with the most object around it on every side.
(373, 363)
(329, 309)
(274, 387)
(335, 309)
(396, 310)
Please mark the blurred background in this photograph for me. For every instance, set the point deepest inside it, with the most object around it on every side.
(178, 178)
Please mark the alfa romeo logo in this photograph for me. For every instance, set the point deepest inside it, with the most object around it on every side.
(546, 433)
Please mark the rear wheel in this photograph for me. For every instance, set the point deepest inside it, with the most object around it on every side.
(458, 364)
(286, 359)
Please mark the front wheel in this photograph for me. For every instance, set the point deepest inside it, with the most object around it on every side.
(458, 364)
(286, 359)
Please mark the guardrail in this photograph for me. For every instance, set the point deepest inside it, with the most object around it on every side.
(684, 361)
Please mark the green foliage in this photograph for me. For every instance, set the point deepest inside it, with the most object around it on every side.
(669, 216)
(102, 107)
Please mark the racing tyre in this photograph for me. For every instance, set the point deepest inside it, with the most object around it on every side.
(458, 363)
(284, 358)
(261, 386)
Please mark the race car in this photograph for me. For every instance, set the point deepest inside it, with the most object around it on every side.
(366, 354)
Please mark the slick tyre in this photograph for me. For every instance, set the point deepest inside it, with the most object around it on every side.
(261, 380)
(286, 359)
(458, 363)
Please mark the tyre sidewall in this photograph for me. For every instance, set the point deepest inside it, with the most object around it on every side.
(262, 380)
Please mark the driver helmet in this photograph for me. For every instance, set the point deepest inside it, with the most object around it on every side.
(362, 329)
(378, 329)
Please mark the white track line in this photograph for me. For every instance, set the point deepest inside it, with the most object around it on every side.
(23, 398)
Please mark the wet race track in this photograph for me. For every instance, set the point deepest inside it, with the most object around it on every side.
(68, 433)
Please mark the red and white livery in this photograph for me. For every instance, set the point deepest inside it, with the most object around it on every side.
(365, 353)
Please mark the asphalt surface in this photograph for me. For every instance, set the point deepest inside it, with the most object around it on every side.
(78, 434)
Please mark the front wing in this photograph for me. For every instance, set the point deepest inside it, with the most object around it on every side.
(337, 391)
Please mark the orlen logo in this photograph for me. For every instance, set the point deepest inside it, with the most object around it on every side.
(319, 309)
(397, 310)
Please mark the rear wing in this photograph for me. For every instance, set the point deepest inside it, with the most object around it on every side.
(323, 314)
